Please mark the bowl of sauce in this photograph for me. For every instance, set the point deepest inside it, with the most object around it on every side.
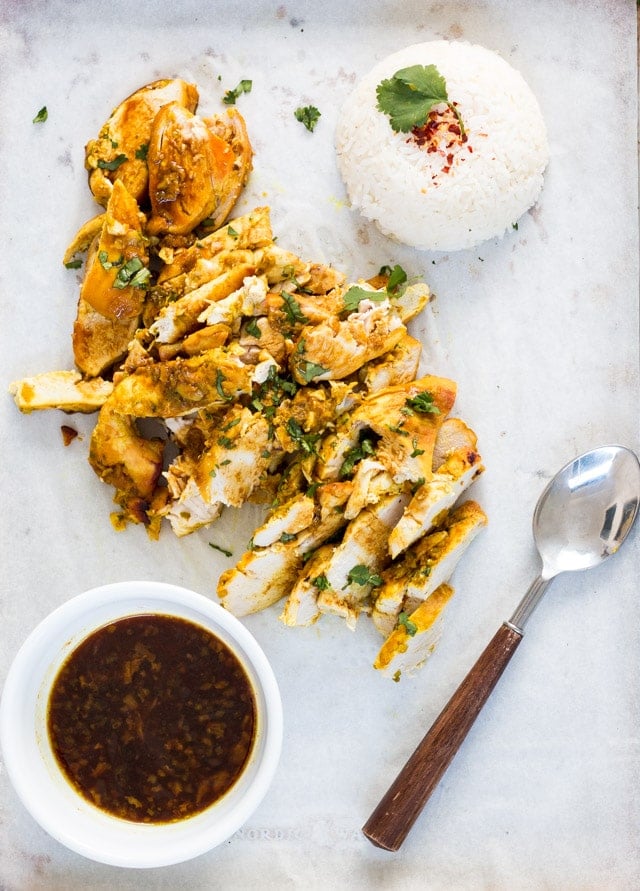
(141, 724)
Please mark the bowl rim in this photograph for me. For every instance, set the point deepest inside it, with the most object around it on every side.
(39, 782)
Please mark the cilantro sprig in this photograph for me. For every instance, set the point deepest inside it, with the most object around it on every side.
(231, 96)
(308, 115)
(408, 97)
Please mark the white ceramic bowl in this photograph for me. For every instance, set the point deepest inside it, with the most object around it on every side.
(39, 782)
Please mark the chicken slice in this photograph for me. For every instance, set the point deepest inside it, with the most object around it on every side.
(197, 168)
(426, 565)
(286, 520)
(119, 151)
(435, 497)
(66, 390)
(260, 579)
(116, 274)
(265, 575)
(398, 366)
(181, 386)
(224, 475)
(83, 238)
(415, 637)
(98, 343)
(405, 420)
(182, 316)
(337, 348)
(248, 232)
(350, 572)
(301, 606)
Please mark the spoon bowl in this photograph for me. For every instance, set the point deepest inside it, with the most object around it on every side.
(587, 510)
(582, 517)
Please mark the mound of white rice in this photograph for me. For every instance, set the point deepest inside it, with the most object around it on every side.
(456, 196)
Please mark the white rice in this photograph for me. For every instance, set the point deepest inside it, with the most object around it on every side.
(423, 199)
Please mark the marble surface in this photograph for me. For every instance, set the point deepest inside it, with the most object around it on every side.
(539, 329)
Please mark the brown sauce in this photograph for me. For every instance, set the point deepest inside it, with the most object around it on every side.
(152, 718)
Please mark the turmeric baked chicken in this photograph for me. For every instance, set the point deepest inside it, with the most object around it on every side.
(267, 379)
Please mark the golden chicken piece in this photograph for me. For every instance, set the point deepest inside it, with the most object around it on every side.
(99, 342)
(181, 386)
(117, 274)
(197, 168)
(123, 458)
(336, 348)
(119, 153)
(425, 565)
(119, 454)
(350, 571)
(65, 390)
(415, 637)
(188, 268)
(265, 575)
(461, 466)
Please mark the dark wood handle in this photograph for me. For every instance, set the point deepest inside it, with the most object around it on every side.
(390, 822)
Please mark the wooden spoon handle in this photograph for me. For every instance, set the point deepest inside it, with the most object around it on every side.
(390, 822)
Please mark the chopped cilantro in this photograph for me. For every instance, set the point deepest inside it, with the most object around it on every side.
(42, 116)
(287, 536)
(405, 622)
(423, 404)
(142, 151)
(220, 379)
(307, 115)
(232, 232)
(321, 582)
(253, 328)
(362, 575)
(305, 441)
(309, 370)
(73, 264)
(133, 274)
(226, 443)
(408, 97)
(113, 164)
(355, 454)
(231, 96)
(292, 310)
(222, 550)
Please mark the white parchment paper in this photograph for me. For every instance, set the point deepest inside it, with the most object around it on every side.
(539, 329)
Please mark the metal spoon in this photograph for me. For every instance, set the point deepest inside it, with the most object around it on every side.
(582, 517)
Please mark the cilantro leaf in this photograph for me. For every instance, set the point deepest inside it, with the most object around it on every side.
(309, 370)
(220, 379)
(423, 404)
(408, 96)
(113, 164)
(352, 297)
(362, 575)
(397, 277)
(292, 310)
(307, 115)
(253, 329)
(73, 264)
(231, 96)
(142, 151)
(409, 626)
(133, 274)
(305, 441)
(321, 582)
(42, 116)
(355, 454)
